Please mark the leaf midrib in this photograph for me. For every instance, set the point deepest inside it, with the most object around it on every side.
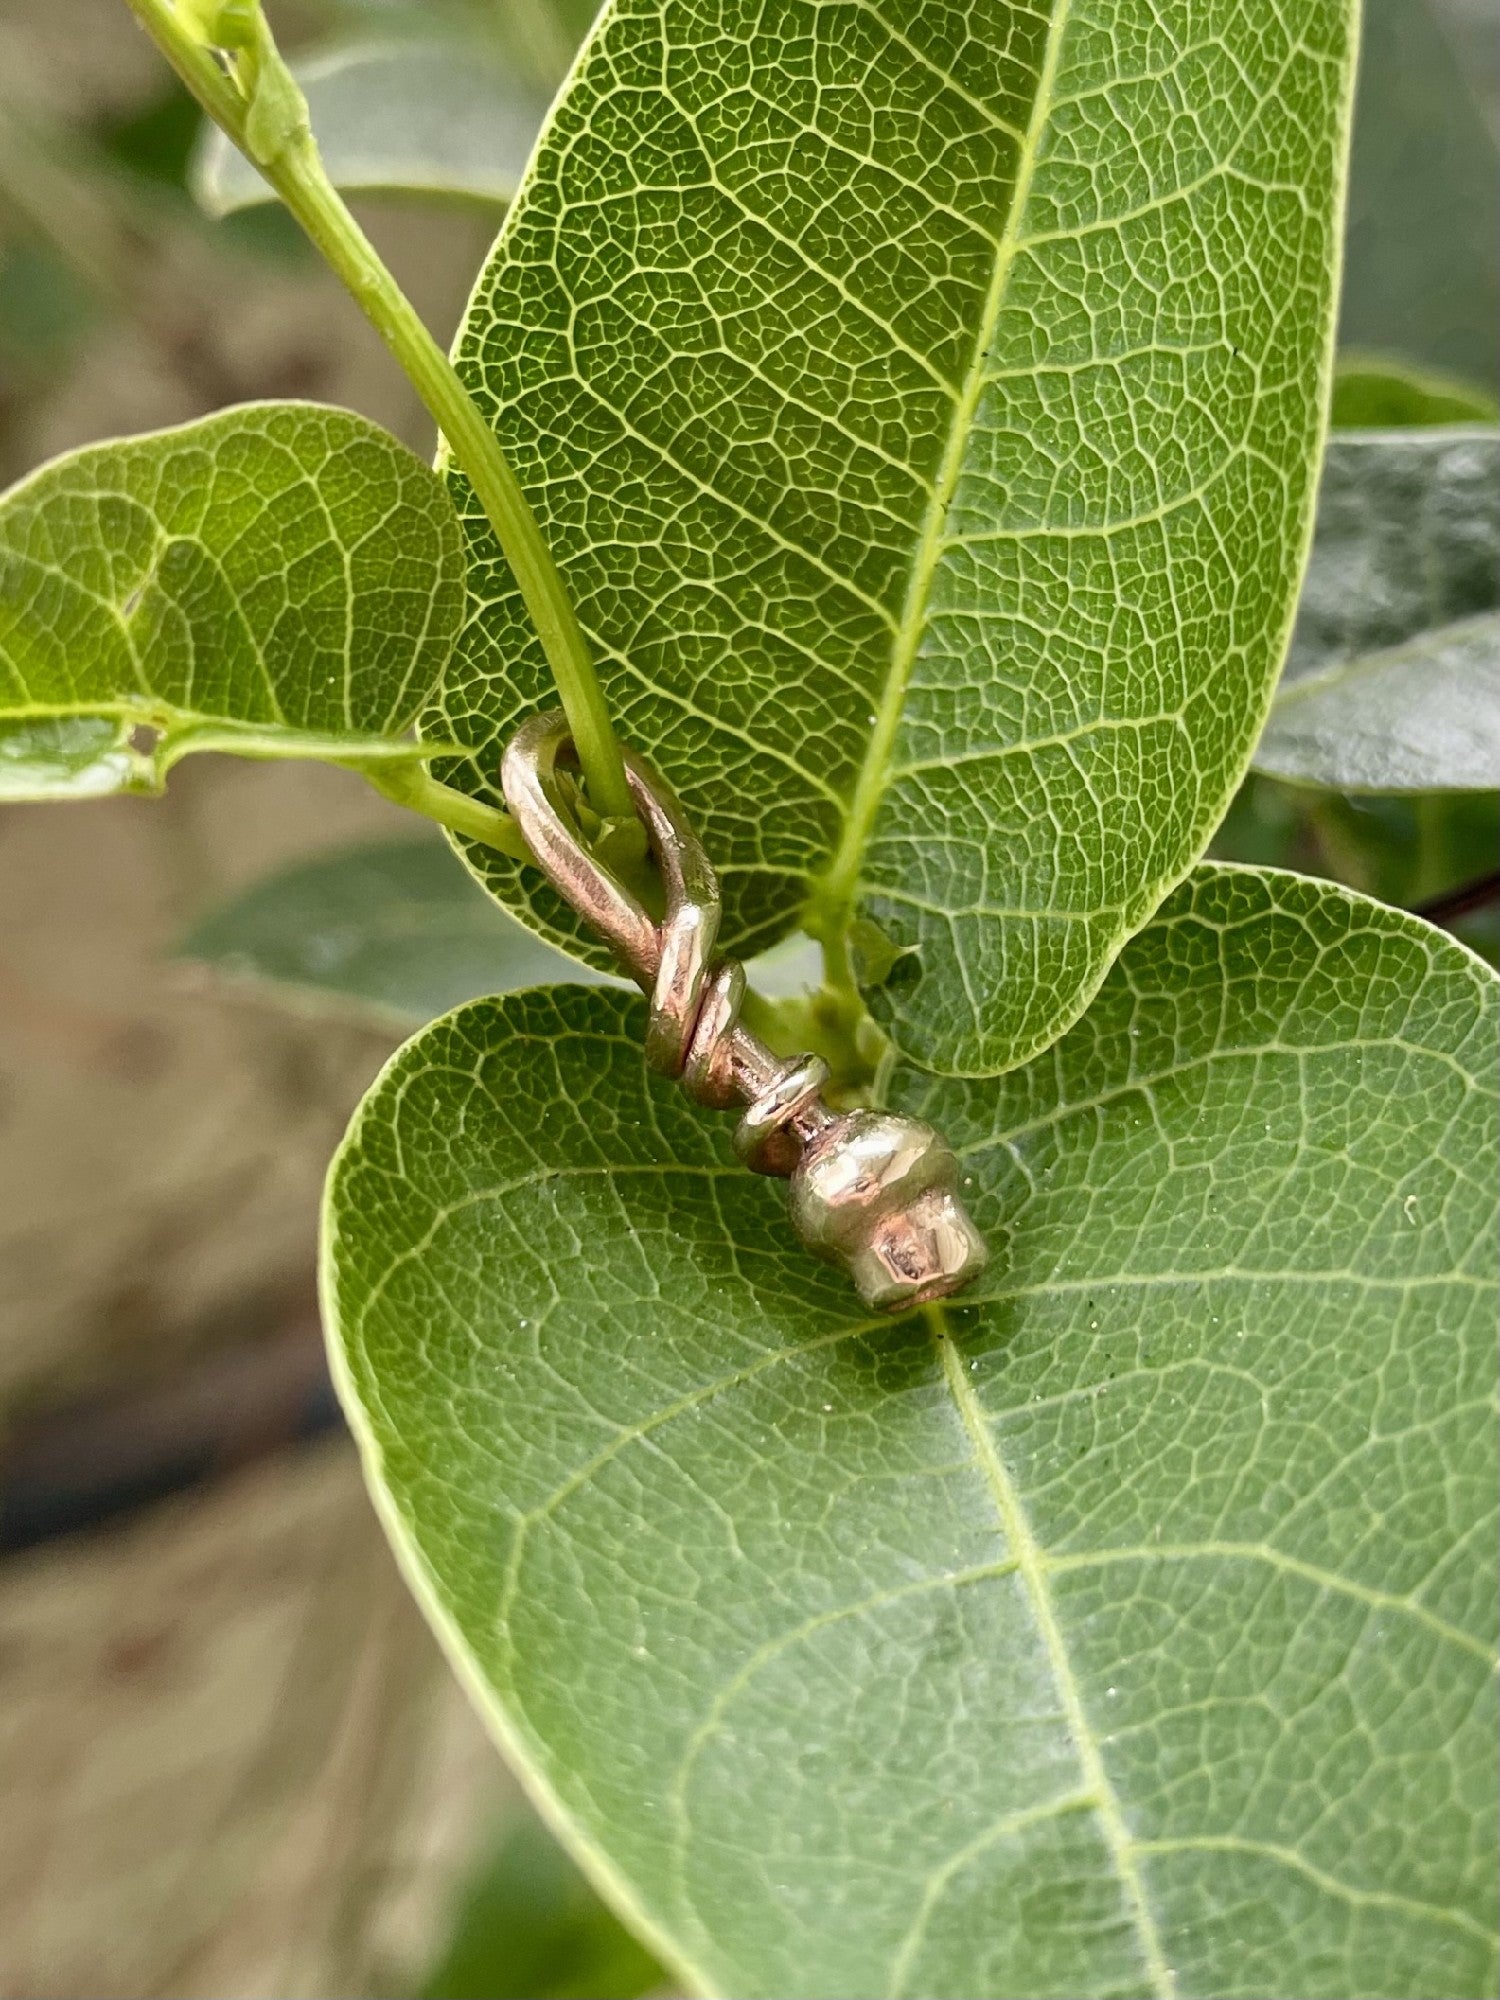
(830, 906)
(1023, 1546)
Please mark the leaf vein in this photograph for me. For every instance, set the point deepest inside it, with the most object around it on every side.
(1032, 1565)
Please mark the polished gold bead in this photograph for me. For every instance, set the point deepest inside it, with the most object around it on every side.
(878, 1193)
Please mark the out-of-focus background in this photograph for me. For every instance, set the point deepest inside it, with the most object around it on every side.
(231, 1761)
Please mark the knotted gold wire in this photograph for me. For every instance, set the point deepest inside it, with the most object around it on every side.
(695, 1033)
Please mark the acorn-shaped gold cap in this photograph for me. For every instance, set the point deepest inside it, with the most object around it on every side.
(878, 1193)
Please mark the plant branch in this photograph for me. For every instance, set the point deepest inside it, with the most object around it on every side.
(267, 120)
(1459, 902)
(413, 786)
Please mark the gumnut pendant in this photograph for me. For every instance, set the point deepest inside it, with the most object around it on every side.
(871, 1190)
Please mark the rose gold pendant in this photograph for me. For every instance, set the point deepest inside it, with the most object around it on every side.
(869, 1189)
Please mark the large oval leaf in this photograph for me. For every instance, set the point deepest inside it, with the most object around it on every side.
(1128, 1632)
(922, 406)
(279, 580)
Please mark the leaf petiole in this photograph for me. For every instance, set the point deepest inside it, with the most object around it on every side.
(412, 785)
(258, 104)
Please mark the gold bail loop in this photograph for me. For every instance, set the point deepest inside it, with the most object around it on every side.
(871, 1190)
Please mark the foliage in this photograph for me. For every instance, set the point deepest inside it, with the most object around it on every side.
(932, 488)
(1393, 679)
(280, 581)
(532, 1929)
(1376, 396)
(1422, 262)
(438, 100)
(1421, 717)
(396, 928)
(1128, 1618)
(433, 120)
(924, 412)
(1410, 851)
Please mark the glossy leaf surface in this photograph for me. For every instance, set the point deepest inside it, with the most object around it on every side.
(1393, 680)
(1128, 1630)
(1423, 717)
(922, 406)
(279, 580)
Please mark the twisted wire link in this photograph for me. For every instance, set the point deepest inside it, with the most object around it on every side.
(694, 1034)
(872, 1190)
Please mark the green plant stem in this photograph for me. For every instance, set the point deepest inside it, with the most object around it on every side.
(413, 786)
(838, 971)
(297, 174)
(294, 168)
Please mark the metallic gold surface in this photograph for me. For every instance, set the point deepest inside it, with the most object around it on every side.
(871, 1190)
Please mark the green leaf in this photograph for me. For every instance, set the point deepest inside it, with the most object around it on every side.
(74, 756)
(1408, 850)
(1423, 717)
(435, 118)
(1127, 1630)
(1408, 539)
(1380, 396)
(281, 580)
(532, 1929)
(399, 928)
(1393, 680)
(922, 408)
(1422, 242)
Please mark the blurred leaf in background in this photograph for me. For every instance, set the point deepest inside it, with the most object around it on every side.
(1407, 539)
(1422, 254)
(1392, 683)
(433, 118)
(531, 1928)
(1419, 717)
(442, 101)
(399, 928)
(398, 931)
(1379, 395)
